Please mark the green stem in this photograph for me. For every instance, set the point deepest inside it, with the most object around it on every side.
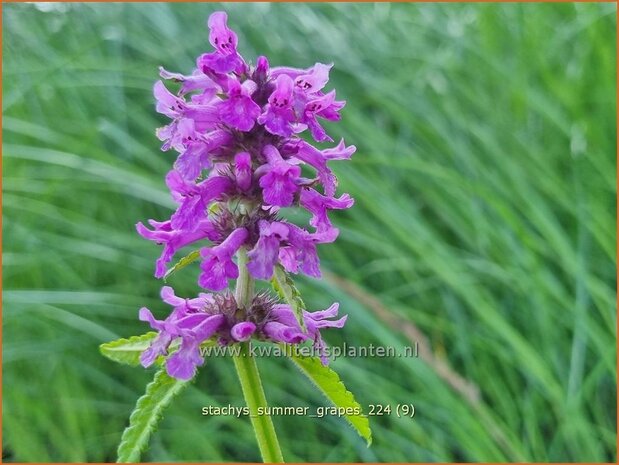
(249, 376)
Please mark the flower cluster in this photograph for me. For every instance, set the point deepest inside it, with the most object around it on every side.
(236, 128)
(193, 321)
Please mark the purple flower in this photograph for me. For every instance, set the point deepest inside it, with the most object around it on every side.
(243, 331)
(314, 79)
(279, 332)
(217, 265)
(173, 106)
(196, 81)
(301, 254)
(191, 121)
(174, 239)
(318, 204)
(185, 321)
(279, 116)
(194, 150)
(339, 152)
(193, 199)
(221, 36)
(160, 344)
(279, 183)
(324, 106)
(319, 320)
(240, 111)
(168, 104)
(263, 257)
(183, 363)
(284, 326)
(309, 154)
(225, 59)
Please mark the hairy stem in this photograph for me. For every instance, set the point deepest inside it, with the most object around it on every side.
(249, 376)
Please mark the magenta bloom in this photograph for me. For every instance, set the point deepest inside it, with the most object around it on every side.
(280, 181)
(317, 204)
(324, 106)
(242, 132)
(243, 331)
(239, 111)
(183, 363)
(196, 150)
(225, 58)
(174, 239)
(187, 321)
(279, 115)
(217, 265)
(284, 326)
(193, 199)
(263, 257)
(195, 81)
(300, 253)
(314, 79)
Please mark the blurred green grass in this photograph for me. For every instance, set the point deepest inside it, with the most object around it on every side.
(485, 214)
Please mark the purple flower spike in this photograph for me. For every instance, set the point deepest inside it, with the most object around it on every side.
(237, 131)
(217, 265)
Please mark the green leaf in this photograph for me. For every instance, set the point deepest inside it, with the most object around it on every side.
(182, 263)
(127, 351)
(283, 284)
(329, 383)
(146, 416)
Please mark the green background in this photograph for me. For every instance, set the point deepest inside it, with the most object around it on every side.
(485, 214)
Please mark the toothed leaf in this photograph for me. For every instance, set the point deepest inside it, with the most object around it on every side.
(147, 414)
(127, 351)
(329, 383)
